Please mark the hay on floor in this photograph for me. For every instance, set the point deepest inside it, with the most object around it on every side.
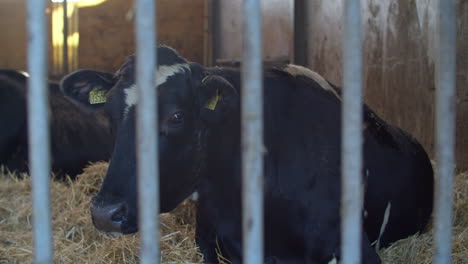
(77, 241)
(75, 238)
(418, 249)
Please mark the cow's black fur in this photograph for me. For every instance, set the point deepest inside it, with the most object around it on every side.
(78, 136)
(200, 150)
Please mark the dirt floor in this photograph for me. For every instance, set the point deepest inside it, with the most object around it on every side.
(77, 241)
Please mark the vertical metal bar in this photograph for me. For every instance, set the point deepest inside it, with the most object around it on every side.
(445, 130)
(216, 34)
(38, 132)
(351, 137)
(208, 33)
(147, 127)
(65, 37)
(252, 134)
(301, 28)
(312, 7)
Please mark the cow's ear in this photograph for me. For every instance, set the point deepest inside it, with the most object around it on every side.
(218, 99)
(87, 87)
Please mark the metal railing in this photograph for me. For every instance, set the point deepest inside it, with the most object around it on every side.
(252, 133)
(146, 125)
(445, 130)
(252, 147)
(351, 136)
(38, 131)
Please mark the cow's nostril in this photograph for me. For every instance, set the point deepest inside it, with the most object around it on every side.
(120, 215)
(109, 218)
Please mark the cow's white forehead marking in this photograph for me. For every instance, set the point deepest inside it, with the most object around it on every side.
(296, 70)
(162, 74)
(166, 71)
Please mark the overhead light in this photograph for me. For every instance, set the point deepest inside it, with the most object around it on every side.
(61, 1)
(82, 3)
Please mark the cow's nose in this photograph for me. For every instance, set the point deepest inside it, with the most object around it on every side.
(109, 218)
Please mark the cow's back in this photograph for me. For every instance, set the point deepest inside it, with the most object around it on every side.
(12, 115)
(302, 138)
(78, 136)
(399, 191)
(303, 141)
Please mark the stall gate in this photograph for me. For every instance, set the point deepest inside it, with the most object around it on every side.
(252, 128)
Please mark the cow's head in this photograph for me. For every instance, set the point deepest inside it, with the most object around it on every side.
(189, 102)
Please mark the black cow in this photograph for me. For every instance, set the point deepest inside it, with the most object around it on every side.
(78, 136)
(199, 148)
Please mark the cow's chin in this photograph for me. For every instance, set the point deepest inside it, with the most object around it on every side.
(169, 204)
(129, 228)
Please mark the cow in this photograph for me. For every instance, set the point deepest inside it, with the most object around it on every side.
(78, 136)
(199, 150)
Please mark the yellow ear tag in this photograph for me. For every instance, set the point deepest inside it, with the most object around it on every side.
(97, 96)
(211, 104)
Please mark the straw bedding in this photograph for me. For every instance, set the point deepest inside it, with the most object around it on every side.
(77, 241)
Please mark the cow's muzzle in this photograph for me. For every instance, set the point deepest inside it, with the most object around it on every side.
(109, 218)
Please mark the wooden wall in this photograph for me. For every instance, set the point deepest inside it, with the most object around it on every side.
(13, 32)
(399, 56)
(107, 32)
(277, 28)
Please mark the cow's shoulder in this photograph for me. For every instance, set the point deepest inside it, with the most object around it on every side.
(383, 132)
(302, 75)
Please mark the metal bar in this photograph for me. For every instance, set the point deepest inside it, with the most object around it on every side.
(147, 127)
(65, 37)
(312, 8)
(252, 134)
(216, 34)
(76, 42)
(38, 132)
(351, 137)
(445, 131)
(208, 33)
(301, 28)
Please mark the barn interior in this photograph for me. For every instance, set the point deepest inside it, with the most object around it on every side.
(400, 55)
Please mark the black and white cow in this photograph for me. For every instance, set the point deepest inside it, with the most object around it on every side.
(199, 149)
(78, 136)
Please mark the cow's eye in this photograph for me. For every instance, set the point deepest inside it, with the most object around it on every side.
(177, 118)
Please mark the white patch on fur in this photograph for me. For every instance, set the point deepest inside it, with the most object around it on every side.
(296, 70)
(166, 71)
(384, 224)
(194, 196)
(131, 98)
(24, 73)
(162, 74)
(333, 261)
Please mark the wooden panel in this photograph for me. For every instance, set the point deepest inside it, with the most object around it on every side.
(107, 31)
(13, 32)
(277, 29)
(399, 62)
(13, 46)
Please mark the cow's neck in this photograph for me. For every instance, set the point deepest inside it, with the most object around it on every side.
(222, 161)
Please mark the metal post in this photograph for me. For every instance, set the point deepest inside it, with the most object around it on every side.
(38, 132)
(252, 134)
(445, 131)
(147, 127)
(216, 31)
(351, 137)
(65, 37)
(301, 29)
